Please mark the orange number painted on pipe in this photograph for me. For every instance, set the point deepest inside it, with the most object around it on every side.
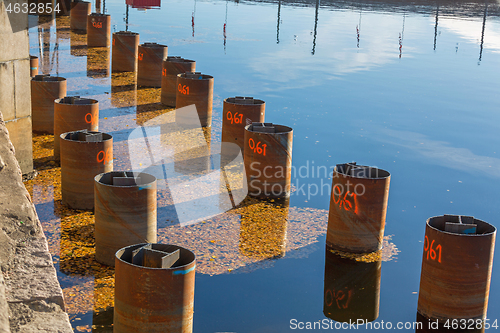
(141, 55)
(89, 119)
(234, 118)
(97, 25)
(105, 157)
(432, 253)
(164, 72)
(183, 89)
(256, 147)
(348, 201)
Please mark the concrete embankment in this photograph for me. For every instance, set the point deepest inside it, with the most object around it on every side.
(31, 298)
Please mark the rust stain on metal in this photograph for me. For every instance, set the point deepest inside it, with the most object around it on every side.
(78, 15)
(124, 215)
(456, 269)
(237, 113)
(358, 206)
(172, 66)
(268, 159)
(196, 88)
(44, 90)
(150, 59)
(73, 113)
(98, 30)
(81, 161)
(125, 48)
(33, 66)
(154, 300)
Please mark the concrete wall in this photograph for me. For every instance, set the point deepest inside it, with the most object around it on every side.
(15, 91)
(30, 288)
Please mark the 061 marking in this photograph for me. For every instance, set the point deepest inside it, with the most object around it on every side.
(183, 89)
(89, 119)
(97, 25)
(104, 157)
(348, 201)
(237, 118)
(432, 253)
(256, 147)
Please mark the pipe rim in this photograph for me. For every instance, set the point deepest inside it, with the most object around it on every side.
(153, 45)
(99, 15)
(177, 59)
(434, 219)
(150, 179)
(232, 100)
(281, 129)
(105, 137)
(126, 33)
(45, 78)
(387, 173)
(203, 76)
(78, 101)
(172, 269)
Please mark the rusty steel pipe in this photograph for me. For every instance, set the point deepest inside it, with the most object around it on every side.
(125, 212)
(152, 295)
(352, 289)
(358, 206)
(98, 30)
(78, 15)
(98, 62)
(149, 66)
(33, 66)
(237, 113)
(198, 89)
(456, 268)
(172, 66)
(73, 113)
(44, 90)
(84, 154)
(125, 48)
(268, 159)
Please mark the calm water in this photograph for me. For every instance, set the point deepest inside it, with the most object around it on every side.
(412, 89)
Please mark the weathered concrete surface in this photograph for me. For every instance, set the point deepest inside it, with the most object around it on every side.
(15, 92)
(4, 308)
(33, 295)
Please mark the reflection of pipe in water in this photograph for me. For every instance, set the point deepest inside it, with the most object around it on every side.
(436, 26)
(278, 23)
(224, 29)
(78, 44)
(482, 31)
(401, 36)
(192, 16)
(123, 89)
(263, 235)
(98, 62)
(315, 27)
(358, 30)
(358, 207)
(352, 288)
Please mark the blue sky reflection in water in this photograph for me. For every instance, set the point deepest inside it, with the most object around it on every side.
(410, 88)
